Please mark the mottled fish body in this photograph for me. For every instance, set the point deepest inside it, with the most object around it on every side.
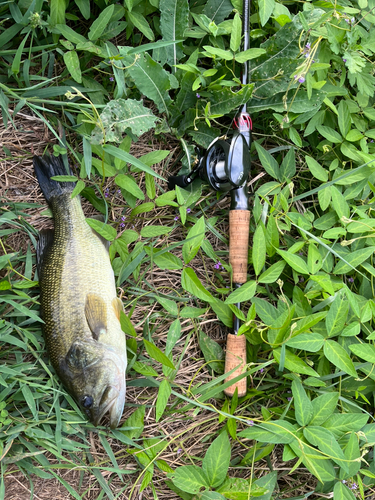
(79, 305)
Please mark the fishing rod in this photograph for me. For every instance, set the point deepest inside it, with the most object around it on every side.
(225, 166)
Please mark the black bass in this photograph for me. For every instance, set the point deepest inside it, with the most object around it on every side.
(79, 305)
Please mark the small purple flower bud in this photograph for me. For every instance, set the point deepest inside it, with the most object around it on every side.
(179, 451)
(123, 218)
(177, 217)
(351, 280)
(372, 140)
(344, 59)
(119, 191)
(122, 224)
(308, 46)
(289, 399)
(188, 210)
(198, 95)
(111, 79)
(261, 370)
(354, 486)
(301, 79)
(250, 422)
(216, 266)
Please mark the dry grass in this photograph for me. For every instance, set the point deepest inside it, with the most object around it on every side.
(187, 433)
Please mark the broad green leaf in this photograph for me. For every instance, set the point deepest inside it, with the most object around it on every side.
(288, 165)
(302, 404)
(189, 478)
(324, 197)
(339, 203)
(323, 407)
(223, 312)
(259, 249)
(215, 463)
(222, 54)
(364, 351)
(70, 34)
(316, 169)
(107, 232)
(152, 231)
(342, 492)
(271, 274)
(336, 317)
(354, 259)
(295, 262)
(190, 282)
(339, 357)
(126, 325)
(156, 354)
(351, 330)
(212, 352)
(161, 401)
(84, 7)
(243, 293)
(80, 186)
(294, 364)
(265, 10)
(99, 25)
(152, 80)
(127, 157)
(128, 183)
(174, 20)
(169, 305)
(327, 444)
(268, 162)
(265, 310)
(195, 237)
(272, 237)
(235, 37)
(174, 334)
(311, 342)
(167, 260)
(248, 54)
(118, 117)
(344, 118)
(141, 23)
(341, 423)
(144, 369)
(314, 259)
(143, 207)
(330, 134)
(135, 420)
(237, 488)
(278, 432)
(192, 312)
(224, 101)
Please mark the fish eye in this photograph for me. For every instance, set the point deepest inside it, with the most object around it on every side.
(87, 401)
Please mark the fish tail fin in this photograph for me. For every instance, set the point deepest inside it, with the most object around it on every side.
(46, 167)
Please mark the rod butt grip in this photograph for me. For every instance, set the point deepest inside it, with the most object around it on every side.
(236, 355)
(239, 243)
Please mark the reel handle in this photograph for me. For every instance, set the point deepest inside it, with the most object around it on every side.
(178, 180)
(236, 356)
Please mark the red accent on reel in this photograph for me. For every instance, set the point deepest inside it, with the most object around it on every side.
(243, 122)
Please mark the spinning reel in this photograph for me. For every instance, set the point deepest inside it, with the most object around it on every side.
(225, 166)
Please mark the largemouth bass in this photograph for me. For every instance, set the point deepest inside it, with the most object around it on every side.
(79, 305)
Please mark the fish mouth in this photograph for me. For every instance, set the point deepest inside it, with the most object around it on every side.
(112, 401)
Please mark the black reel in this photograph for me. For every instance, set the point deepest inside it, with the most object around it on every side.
(225, 166)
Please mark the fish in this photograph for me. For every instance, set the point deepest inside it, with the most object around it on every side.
(78, 302)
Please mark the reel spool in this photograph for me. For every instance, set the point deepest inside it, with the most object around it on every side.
(224, 166)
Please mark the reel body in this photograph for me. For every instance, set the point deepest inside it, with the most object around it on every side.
(225, 166)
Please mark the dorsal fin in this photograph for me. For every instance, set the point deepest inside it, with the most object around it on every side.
(96, 315)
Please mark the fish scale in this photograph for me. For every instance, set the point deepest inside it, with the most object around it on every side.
(79, 305)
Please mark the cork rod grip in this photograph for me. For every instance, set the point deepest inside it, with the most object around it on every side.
(236, 355)
(239, 243)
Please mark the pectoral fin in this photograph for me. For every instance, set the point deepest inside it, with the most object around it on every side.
(96, 315)
(117, 306)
